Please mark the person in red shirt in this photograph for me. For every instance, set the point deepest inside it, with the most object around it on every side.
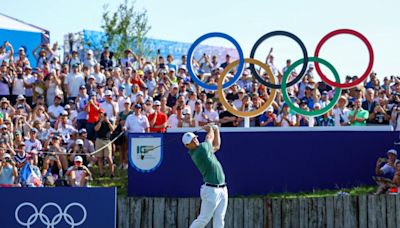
(157, 119)
(92, 109)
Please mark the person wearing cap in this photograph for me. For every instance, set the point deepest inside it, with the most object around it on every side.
(90, 61)
(81, 102)
(8, 171)
(209, 114)
(87, 144)
(385, 168)
(110, 107)
(55, 110)
(6, 109)
(213, 193)
(268, 119)
(103, 129)
(32, 144)
(21, 60)
(21, 101)
(158, 120)
(78, 174)
(341, 112)
(92, 108)
(72, 83)
(137, 122)
(64, 127)
(29, 81)
(20, 155)
(4, 54)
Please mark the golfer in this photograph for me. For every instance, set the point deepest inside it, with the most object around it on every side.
(213, 193)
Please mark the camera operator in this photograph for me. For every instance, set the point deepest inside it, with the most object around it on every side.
(78, 149)
(8, 171)
(78, 174)
(52, 169)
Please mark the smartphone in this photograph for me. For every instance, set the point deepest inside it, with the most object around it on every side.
(80, 168)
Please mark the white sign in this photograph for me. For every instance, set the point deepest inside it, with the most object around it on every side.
(145, 153)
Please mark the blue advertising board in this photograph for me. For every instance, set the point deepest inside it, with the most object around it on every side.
(58, 207)
(257, 163)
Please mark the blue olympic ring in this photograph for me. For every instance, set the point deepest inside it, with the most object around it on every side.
(190, 55)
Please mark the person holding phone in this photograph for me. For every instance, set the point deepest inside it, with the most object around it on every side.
(8, 171)
(103, 129)
(385, 170)
(359, 116)
(78, 174)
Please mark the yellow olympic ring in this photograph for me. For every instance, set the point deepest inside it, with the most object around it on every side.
(225, 103)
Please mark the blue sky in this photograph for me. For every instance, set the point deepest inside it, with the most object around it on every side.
(246, 21)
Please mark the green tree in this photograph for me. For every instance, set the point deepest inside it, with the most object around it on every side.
(126, 28)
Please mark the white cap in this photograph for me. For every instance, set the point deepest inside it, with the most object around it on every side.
(91, 77)
(90, 52)
(392, 151)
(183, 67)
(139, 93)
(79, 142)
(20, 97)
(108, 93)
(65, 113)
(188, 137)
(157, 102)
(67, 106)
(78, 158)
(6, 155)
(127, 100)
(270, 109)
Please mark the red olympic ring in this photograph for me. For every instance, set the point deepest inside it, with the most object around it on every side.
(366, 73)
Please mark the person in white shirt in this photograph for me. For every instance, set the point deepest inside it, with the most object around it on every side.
(197, 115)
(98, 76)
(90, 61)
(78, 174)
(285, 119)
(110, 107)
(72, 83)
(55, 110)
(210, 115)
(29, 79)
(137, 122)
(6, 56)
(64, 128)
(341, 113)
(33, 145)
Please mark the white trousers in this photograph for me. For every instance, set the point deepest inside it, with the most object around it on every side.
(214, 202)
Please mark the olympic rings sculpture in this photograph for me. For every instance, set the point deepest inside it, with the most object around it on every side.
(45, 219)
(305, 60)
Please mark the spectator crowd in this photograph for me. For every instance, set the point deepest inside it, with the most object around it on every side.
(61, 114)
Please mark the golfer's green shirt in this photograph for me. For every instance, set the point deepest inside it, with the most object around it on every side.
(208, 165)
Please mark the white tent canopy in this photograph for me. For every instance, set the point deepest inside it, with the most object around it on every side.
(10, 23)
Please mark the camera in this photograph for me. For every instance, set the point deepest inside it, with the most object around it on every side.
(80, 168)
(19, 76)
(8, 160)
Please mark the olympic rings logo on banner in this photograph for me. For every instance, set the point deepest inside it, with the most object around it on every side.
(305, 60)
(45, 219)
